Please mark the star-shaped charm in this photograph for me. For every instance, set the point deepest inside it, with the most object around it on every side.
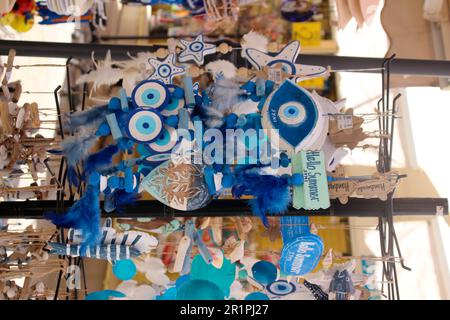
(165, 70)
(286, 57)
(195, 50)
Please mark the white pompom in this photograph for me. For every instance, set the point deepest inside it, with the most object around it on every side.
(222, 68)
(254, 40)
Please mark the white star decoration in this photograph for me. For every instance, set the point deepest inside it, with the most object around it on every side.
(195, 50)
(165, 70)
(287, 57)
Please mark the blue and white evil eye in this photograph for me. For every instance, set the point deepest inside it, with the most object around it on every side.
(164, 71)
(165, 142)
(196, 46)
(286, 66)
(144, 126)
(292, 113)
(175, 103)
(281, 288)
(150, 94)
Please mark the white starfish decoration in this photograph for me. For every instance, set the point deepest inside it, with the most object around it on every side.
(196, 50)
(286, 57)
(165, 70)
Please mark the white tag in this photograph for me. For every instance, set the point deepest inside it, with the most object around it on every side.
(345, 122)
(275, 75)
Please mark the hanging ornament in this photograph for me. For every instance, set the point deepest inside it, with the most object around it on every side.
(165, 70)
(295, 118)
(287, 58)
(180, 186)
(195, 50)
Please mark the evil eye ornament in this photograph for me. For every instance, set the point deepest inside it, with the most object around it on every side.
(195, 50)
(150, 94)
(175, 102)
(144, 126)
(294, 118)
(165, 142)
(281, 288)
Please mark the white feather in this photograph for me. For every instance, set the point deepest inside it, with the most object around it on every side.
(222, 68)
(254, 40)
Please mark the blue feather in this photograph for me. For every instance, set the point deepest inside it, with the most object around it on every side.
(75, 150)
(87, 118)
(100, 160)
(84, 215)
(271, 194)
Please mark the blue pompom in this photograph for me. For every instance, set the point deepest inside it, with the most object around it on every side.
(297, 179)
(172, 121)
(114, 104)
(227, 181)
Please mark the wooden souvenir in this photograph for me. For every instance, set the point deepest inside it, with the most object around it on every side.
(341, 190)
(216, 228)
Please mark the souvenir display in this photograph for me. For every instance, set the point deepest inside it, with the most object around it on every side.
(198, 167)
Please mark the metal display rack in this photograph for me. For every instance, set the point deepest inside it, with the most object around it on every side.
(387, 107)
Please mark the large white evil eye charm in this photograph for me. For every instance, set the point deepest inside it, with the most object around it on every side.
(176, 102)
(150, 94)
(294, 118)
(165, 142)
(144, 126)
(281, 288)
(156, 159)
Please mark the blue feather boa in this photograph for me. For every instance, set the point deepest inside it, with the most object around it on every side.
(271, 194)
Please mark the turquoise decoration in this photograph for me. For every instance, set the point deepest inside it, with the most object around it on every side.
(150, 94)
(165, 70)
(144, 126)
(264, 272)
(123, 100)
(301, 250)
(114, 126)
(294, 117)
(124, 269)
(222, 278)
(195, 50)
(189, 91)
(104, 295)
(256, 296)
(199, 290)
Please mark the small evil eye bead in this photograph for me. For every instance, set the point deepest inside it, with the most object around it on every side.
(284, 160)
(103, 130)
(297, 179)
(115, 104)
(172, 121)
